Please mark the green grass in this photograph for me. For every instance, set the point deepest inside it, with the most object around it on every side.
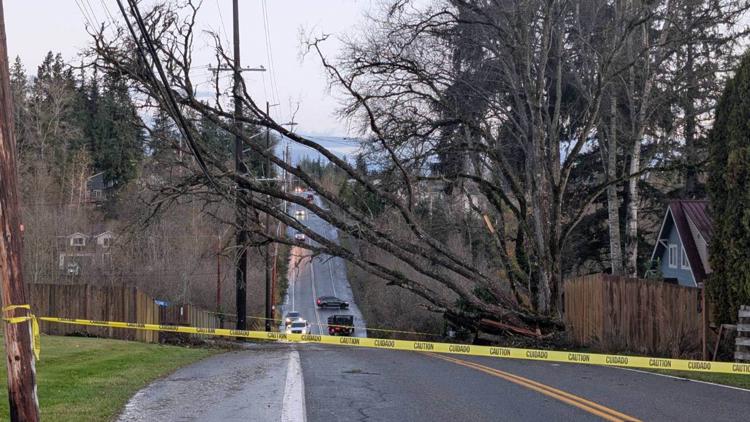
(735, 380)
(91, 379)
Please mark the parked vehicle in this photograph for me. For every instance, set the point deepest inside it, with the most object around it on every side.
(299, 214)
(290, 317)
(331, 302)
(340, 325)
(299, 326)
(310, 197)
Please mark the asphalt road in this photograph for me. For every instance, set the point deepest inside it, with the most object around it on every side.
(344, 384)
(313, 276)
(296, 382)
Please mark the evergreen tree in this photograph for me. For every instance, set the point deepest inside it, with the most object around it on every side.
(217, 141)
(163, 134)
(53, 125)
(19, 87)
(118, 142)
(728, 186)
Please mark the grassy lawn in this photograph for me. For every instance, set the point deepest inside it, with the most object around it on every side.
(90, 379)
(735, 380)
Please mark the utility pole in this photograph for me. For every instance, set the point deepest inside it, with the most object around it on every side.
(24, 405)
(268, 175)
(287, 184)
(239, 168)
(218, 282)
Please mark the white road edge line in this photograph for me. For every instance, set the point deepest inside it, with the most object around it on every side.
(684, 379)
(295, 275)
(315, 304)
(293, 408)
(330, 271)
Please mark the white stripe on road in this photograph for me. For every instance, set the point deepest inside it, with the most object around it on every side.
(731, 387)
(295, 275)
(314, 298)
(293, 408)
(330, 270)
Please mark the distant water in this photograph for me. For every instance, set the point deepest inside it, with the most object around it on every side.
(345, 148)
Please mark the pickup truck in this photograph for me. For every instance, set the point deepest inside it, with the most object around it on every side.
(341, 325)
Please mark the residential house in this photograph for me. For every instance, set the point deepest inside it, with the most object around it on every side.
(79, 250)
(681, 251)
(98, 188)
(433, 194)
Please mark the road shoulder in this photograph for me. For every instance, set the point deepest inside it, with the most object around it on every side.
(234, 386)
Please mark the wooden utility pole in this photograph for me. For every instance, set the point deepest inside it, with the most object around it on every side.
(241, 236)
(240, 168)
(218, 273)
(24, 405)
(269, 291)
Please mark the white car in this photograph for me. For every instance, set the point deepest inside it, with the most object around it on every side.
(299, 236)
(291, 317)
(299, 326)
(299, 214)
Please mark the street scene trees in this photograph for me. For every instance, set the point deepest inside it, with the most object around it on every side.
(552, 181)
(506, 106)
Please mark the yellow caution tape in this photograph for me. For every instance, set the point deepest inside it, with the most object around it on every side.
(451, 348)
(36, 344)
(321, 324)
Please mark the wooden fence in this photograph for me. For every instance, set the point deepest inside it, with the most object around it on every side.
(113, 303)
(742, 342)
(192, 316)
(618, 314)
(110, 303)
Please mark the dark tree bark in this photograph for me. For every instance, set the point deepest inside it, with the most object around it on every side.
(24, 405)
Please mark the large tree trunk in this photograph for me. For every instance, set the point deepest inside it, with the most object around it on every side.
(691, 176)
(632, 222)
(635, 161)
(613, 202)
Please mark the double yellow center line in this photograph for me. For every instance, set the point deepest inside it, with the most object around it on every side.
(565, 397)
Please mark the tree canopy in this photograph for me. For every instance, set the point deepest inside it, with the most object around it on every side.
(729, 178)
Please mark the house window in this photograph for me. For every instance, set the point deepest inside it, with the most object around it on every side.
(106, 242)
(78, 241)
(684, 263)
(672, 256)
(73, 269)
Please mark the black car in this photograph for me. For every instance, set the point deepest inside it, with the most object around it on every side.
(331, 302)
(340, 325)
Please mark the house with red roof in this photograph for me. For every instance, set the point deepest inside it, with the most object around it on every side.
(680, 254)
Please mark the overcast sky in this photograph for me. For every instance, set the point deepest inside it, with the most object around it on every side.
(37, 26)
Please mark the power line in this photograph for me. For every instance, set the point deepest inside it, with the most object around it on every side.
(221, 23)
(163, 86)
(84, 13)
(107, 11)
(96, 18)
(269, 53)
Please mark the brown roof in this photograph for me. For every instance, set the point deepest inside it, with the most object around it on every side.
(697, 212)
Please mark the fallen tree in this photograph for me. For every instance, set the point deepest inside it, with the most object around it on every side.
(501, 98)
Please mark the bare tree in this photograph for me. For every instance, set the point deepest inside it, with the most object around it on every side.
(499, 97)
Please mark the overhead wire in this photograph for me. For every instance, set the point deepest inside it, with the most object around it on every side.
(221, 23)
(107, 11)
(276, 98)
(84, 13)
(91, 9)
(164, 85)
